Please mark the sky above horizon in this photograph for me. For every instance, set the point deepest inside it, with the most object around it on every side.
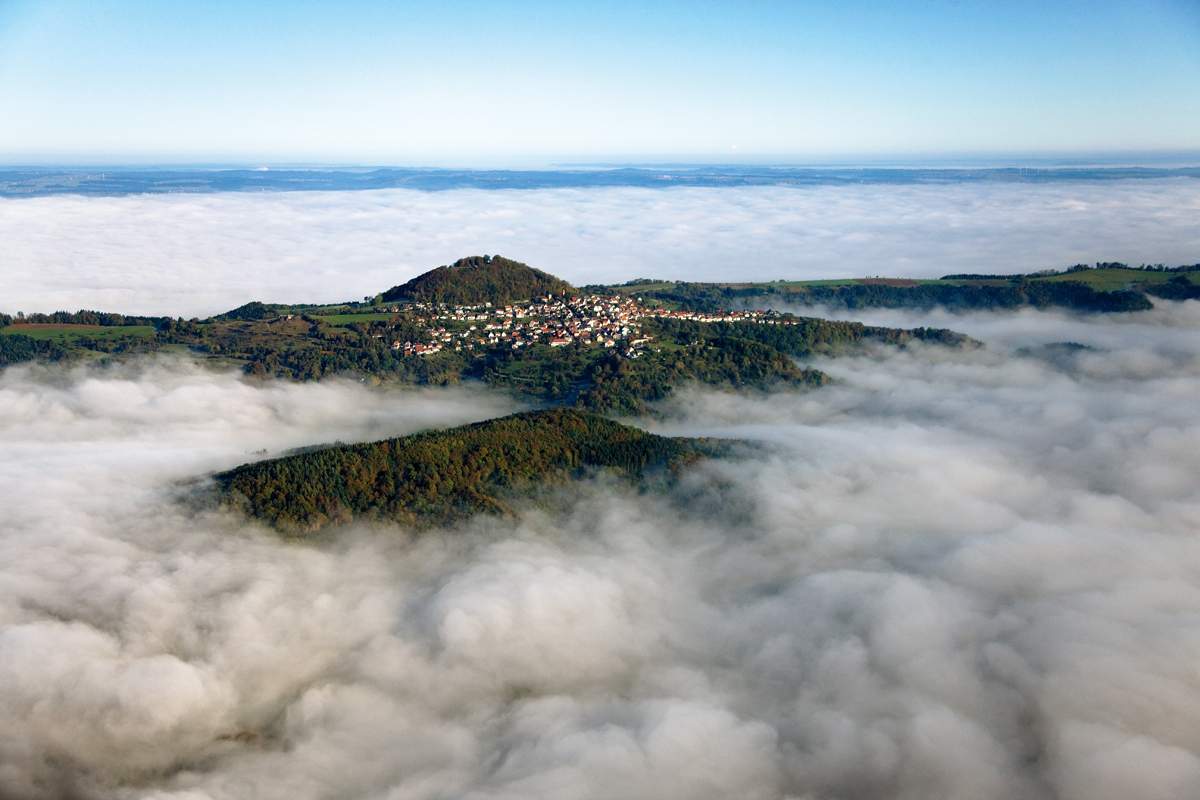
(458, 83)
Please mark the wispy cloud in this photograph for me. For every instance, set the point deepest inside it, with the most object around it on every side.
(188, 255)
(952, 574)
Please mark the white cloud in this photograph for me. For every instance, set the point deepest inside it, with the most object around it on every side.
(199, 254)
(951, 574)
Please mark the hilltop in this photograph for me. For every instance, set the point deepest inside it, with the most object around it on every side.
(477, 280)
(254, 310)
(438, 476)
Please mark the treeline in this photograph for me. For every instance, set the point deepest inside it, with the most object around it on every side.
(1178, 288)
(81, 317)
(479, 279)
(254, 310)
(976, 276)
(1038, 294)
(435, 477)
(709, 297)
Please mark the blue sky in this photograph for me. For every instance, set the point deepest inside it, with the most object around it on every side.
(472, 82)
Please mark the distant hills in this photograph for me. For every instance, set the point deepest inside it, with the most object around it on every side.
(435, 477)
(1105, 288)
(479, 279)
(663, 335)
(254, 310)
(117, 180)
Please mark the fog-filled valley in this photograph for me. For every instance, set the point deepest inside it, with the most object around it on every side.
(954, 573)
(195, 255)
(599, 401)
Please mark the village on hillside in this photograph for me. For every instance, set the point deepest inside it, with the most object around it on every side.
(557, 321)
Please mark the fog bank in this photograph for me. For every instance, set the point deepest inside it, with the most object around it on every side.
(201, 254)
(950, 575)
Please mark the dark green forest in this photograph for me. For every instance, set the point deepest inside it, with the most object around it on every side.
(998, 295)
(254, 310)
(83, 317)
(435, 477)
(15, 348)
(733, 355)
(479, 279)
(1177, 288)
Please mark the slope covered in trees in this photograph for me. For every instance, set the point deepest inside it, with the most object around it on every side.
(730, 355)
(1103, 287)
(1177, 288)
(953, 294)
(254, 310)
(1076, 296)
(606, 381)
(438, 476)
(15, 348)
(478, 279)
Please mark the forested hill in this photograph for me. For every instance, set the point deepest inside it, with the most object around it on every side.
(438, 476)
(15, 349)
(479, 279)
(1104, 288)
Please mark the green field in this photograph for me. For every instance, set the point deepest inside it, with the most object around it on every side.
(348, 319)
(779, 284)
(66, 333)
(1102, 280)
(825, 282)
(644, 287)
(1111, 280)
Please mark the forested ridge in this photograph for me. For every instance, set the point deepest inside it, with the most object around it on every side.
(82, 317)
(950, 295)
(1101, 287)
(434, 477)
(733, 355)
(366, 337)
(1178, 287)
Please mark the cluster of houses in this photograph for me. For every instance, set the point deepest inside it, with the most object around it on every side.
(593, 320)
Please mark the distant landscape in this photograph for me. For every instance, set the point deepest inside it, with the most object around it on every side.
(599, 349)
(115, 181)
(553, 400)
(498, 319)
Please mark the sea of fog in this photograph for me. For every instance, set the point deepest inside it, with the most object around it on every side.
(952, 574)
(199, 254)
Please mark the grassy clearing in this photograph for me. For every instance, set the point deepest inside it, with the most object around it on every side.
(1102, 280)
(823, 282)
(1110, 280)
(645, 287)
(66, 333)
(339, 320)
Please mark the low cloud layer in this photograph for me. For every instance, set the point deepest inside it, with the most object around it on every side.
(950, 575)
(200, 254)
(1170, 328)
